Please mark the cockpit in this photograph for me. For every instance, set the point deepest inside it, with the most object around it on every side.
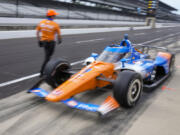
(113, 54)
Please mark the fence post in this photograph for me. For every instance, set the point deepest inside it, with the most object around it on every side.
(68, 15)
(17, 8)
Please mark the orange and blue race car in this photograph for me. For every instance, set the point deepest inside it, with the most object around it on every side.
(130, 69)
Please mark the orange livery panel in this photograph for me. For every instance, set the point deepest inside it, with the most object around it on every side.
(83, 81)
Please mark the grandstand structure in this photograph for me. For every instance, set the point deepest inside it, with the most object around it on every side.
(121, 10)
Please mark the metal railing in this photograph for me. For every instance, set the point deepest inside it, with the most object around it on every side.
(23, 8)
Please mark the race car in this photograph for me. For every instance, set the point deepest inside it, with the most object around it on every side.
(128, 68)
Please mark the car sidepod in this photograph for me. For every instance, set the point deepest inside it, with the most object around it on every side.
(163, 60)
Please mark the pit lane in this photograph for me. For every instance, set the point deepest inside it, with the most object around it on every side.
(25, 114)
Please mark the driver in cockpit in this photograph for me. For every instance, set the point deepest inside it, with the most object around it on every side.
(125, 42)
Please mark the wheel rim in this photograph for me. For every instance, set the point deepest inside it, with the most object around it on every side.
(153, 75)
(134, 91)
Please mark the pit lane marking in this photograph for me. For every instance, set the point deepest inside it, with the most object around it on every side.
(159, 31)
(93, 40)
(138, 34)
(19, 80)
(157, 39)
(30, 76)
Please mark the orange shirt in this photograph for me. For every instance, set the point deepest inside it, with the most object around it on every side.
(48, 30)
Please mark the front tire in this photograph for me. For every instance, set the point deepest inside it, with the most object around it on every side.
(55, 71)
(128, 88)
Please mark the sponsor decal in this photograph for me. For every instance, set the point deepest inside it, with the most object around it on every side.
(87, 70)
(78, 76)
(72, 103)
(87, 107)
(36, 91)
(97, 67)
(138, 62)
(46, 25)
(57, 92)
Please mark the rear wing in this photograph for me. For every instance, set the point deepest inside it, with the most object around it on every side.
(146, 48)
(144, 45)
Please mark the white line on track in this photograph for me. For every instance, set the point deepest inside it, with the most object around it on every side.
(74, 63)
(78, 62)
(19, 80)
(93, 40)
(157, 39)
(150, 41)
(30, 76)
(138, 34)
(159, 30)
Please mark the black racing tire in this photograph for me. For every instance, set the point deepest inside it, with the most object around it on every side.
(127, 88)
(172, 63)
(54, 71)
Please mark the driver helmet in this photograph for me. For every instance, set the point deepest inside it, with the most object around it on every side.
(125, 42)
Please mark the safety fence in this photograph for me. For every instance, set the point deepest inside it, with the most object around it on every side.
(37, 9)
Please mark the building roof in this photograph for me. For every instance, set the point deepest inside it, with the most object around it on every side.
(162, 4)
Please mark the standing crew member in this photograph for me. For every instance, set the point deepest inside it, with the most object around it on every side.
(46, 33)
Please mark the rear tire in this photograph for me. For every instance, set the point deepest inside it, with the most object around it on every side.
(128, 88)
(54, 71)
(172, 63)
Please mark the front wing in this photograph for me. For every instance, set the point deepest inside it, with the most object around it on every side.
(108, 105)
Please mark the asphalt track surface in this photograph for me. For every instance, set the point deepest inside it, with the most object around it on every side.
(23, 114)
